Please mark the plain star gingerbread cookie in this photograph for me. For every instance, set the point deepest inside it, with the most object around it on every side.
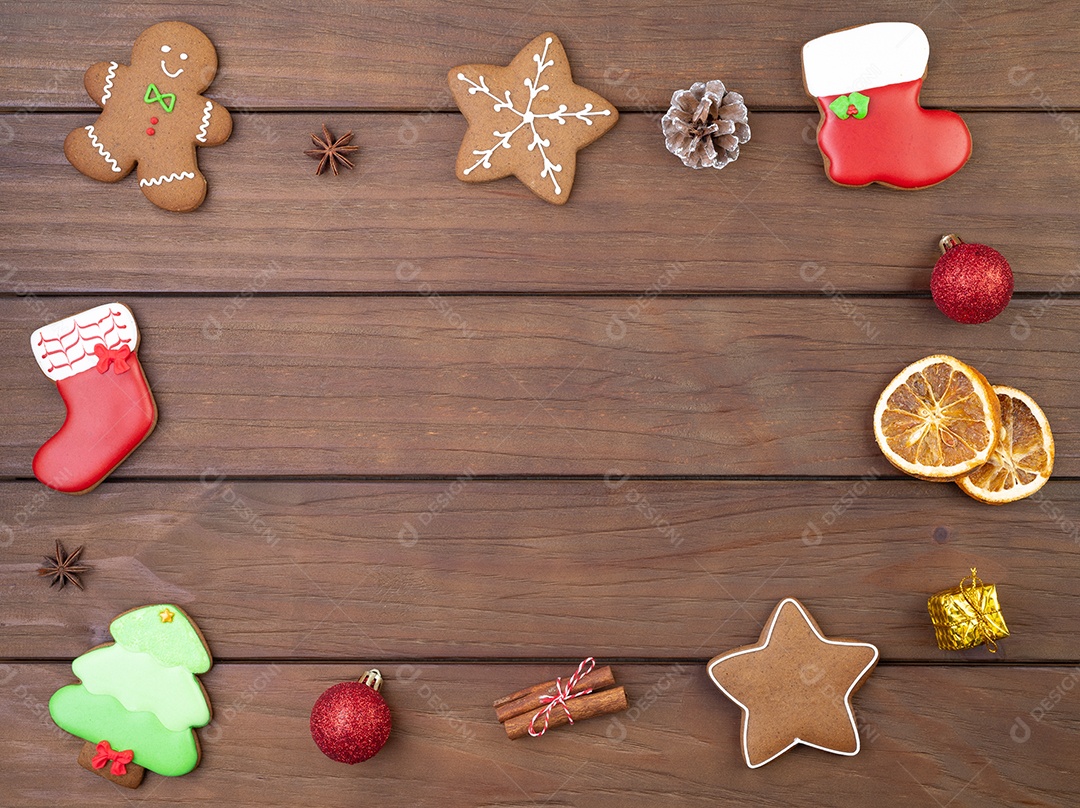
(794, 686)
(527, 119)
(153, 116)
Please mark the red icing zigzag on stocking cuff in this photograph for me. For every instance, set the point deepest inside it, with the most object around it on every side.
(67, 347)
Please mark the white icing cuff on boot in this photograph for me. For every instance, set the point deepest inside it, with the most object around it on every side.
(66, 347)
(873, 55)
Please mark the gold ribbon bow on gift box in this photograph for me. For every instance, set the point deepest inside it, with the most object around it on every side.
(967, 616)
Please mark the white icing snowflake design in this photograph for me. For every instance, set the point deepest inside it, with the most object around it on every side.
(528, 118)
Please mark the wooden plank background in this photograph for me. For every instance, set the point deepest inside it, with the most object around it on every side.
(471, 438)
(476, 567)
(400, 225)
(399, 386)
(346, 55)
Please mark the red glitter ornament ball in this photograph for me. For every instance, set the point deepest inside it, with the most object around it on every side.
(350, 722)
(971, 283)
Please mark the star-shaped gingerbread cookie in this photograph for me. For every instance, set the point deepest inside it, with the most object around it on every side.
(794, 686)
(528, 119)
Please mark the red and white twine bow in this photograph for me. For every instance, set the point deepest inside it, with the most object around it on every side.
(104, 753)
(117, 357)
(563, 693)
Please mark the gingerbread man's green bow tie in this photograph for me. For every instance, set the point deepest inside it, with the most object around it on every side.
(167, 101)
(851, 106)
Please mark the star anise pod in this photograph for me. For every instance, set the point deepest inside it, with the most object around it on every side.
(330, 152)
(64, 567)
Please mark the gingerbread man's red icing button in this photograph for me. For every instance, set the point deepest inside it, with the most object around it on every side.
(150, 131)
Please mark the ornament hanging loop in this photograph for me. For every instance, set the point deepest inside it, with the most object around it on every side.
(372, 679)
(946, 243)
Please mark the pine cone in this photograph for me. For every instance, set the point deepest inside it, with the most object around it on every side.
(705, 125)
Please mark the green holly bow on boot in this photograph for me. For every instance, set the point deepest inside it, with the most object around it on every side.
(854, 106)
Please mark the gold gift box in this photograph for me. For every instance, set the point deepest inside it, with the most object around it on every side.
(967, 616)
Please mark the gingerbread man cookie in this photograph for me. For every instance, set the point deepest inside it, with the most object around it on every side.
(794, 686)
(153, 116)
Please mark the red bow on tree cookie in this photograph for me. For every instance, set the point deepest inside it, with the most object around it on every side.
(104, 753)
(115, 356)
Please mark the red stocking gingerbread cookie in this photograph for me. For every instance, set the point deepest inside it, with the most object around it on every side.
(153, 116)
(866, 81)
(110, 410)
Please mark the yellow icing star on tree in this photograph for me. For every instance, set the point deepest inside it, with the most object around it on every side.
(166, 615)
(528, 119)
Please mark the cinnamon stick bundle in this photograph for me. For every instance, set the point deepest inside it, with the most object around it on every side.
(604, 702)
(529, 699)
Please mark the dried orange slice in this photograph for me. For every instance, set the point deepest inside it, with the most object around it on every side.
(1024, 456)
(938, 419)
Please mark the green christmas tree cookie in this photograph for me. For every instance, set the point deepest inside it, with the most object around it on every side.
(139, 699)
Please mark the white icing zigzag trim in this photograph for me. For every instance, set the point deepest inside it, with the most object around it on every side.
(183, 175)
(201, 137)
(108, 82)
(101, 150)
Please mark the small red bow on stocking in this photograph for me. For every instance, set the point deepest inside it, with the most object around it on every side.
(104, 753)
(117, 357)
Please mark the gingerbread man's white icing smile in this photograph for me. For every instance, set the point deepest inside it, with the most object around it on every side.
(165, 70)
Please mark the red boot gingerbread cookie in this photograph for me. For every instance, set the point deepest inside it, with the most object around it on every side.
(866, 81)
(154, 116)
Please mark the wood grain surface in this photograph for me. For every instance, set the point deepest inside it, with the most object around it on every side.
(478, 569)
(471, 438)
(412, 386)
(932, 735)
(346, 55)
(640, 223)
